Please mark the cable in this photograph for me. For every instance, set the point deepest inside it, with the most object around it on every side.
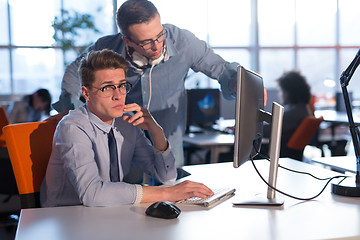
(295, 171)
(150, 90)
(286, 194)
(291, 170)
(153, 63)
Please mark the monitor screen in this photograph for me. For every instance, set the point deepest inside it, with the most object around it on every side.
(203, 107)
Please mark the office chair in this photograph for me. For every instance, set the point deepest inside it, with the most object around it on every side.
(29, 146)
(302, 137)
(4, 120)
(8, 218)
(7, 179)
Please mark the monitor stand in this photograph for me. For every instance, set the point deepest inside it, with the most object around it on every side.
(274, 151)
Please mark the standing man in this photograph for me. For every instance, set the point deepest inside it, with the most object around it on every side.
(160, 57)
(95, 144)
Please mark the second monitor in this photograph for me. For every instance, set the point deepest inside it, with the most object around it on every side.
(203, 107)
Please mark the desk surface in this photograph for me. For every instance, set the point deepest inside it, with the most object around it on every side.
(342, 164)
(333, 116)
(329, 216)
(213, 139)
(209, 139)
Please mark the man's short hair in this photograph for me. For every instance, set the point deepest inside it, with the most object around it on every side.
(135, 12)
(100, 60)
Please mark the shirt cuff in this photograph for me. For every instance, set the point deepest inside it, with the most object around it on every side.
(165, 152)
(139, 194)
(228, 81)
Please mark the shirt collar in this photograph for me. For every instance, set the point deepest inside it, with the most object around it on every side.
(98, 122)
(171, 50)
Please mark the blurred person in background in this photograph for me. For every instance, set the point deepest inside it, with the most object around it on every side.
(31, 107)
(295, 94)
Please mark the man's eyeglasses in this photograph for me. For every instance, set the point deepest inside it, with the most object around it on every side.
(147, 44)
(109, 90)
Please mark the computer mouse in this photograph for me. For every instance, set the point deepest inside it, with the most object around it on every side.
(163, 209)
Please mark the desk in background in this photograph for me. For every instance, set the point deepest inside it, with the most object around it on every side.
(339, 164)
(329, 216)
(338, 124)
(215, 141)
(336, 117)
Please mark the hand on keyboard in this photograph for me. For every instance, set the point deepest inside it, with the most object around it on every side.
(187, 189)
(219, 195)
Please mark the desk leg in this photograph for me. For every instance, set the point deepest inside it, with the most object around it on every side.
(215, 152)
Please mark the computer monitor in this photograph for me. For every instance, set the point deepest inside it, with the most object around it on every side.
(340, 103)
(249, 118)
(203, 107)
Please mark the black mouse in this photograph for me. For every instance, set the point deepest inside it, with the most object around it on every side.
(163, 209)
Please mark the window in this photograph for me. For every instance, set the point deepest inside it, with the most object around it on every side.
(318, 37)
(276, 27)
(349, 35)
(29, 60)
(4, 29)
(5, 84)
(273, 62)
(229, 23)
(318, 65)
(316, 22)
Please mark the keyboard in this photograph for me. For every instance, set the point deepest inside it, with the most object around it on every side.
(219, 196)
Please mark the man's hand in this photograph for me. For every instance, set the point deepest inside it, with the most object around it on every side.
(143, 119)
(180, 191)
(188, 189)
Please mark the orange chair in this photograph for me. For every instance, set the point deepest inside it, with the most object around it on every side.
(29, 146)
(304, 134)
(4, 120)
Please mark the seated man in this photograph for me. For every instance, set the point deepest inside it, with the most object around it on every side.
(84, 168)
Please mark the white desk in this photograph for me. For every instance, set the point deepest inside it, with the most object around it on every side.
(337, 117)
(342, 164)
(329, 216)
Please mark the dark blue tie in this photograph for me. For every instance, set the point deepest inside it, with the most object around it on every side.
(114, 163)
